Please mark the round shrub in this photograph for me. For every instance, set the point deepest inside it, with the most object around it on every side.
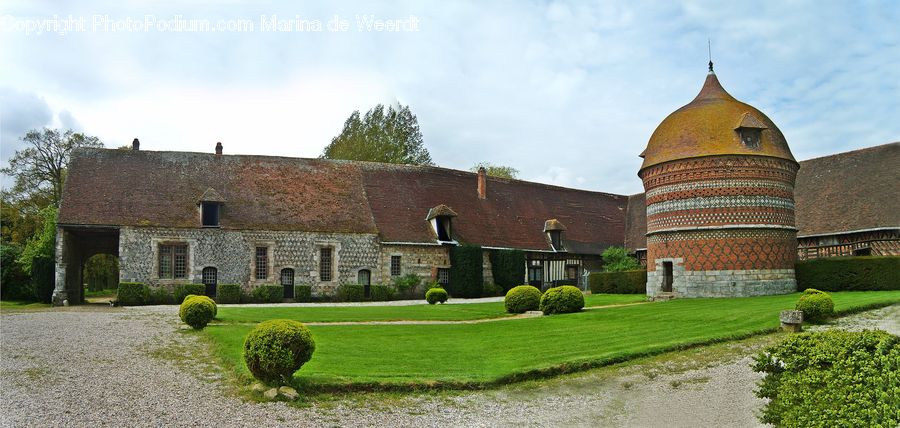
(812, 291)
(435, 295)
(275, 349)
(522, 298)
(816, 307)
(562, 300)
(197, 311)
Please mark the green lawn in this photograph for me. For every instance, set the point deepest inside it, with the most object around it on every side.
(474, 355)
(14, 304)
(237, 314)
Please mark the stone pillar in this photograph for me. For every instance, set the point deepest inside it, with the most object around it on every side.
(59, 291)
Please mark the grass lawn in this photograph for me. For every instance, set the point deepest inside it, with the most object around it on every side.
(101, 293)
(237, 314)
(14, 304)
(477, 355)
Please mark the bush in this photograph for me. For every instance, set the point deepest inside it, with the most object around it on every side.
(382, 293)
(268, 293)
(303, 293)
(407, 284)
(522, 298)
(507, 269)
(14, 284)
(831, 378)
(562, 300)
(436, 295)
(275, 349)
(350, 293)
(133, 294)
(228, 293)
(849, 273)
(197, 311)
(628, 282)
(160, 296)
(466, 271)
(816, 307)
(812, 291)
(616, 259)
(491, 290)
(43, 278)
(183, 290)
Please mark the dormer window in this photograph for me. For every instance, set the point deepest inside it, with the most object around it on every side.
(749, 130)
(441, 219)
(554, 229)
(210, 208)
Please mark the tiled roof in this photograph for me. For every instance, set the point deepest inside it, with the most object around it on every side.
(636, 222)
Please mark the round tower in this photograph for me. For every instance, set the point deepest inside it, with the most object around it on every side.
(719, 183)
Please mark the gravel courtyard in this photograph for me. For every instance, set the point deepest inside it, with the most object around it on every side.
(96, 366)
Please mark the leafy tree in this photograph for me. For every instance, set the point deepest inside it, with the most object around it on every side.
(381, 135)
(19, 218)
(496, 170)
(40, 169)
(616, 259)
(101, 272)
(43, 244)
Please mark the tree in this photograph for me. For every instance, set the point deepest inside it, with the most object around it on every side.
(40, 169)
(496, 170)
(381, 135)
(43, 243)
(616, 259)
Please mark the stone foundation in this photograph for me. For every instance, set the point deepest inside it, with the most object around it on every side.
(723, 283)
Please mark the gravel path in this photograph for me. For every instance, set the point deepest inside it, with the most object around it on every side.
(96, 367)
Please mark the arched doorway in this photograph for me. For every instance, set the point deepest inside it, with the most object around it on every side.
(364, 278)
(287, 281)
(210, 280)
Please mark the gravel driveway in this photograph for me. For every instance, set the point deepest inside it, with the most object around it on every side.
(88, 366)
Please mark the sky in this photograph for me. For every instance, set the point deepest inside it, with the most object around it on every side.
(566, 92)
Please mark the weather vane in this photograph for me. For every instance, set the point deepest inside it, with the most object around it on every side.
(709, 48)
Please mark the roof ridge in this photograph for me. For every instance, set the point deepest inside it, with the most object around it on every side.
(863, 149)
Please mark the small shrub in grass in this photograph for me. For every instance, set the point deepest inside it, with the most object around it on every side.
(268, 294)
(350, 293)
(183, 290)
(562, 300)
(382, 293)
(275, 349)
(161, 296)
(228, 293)
(816, 307)
(812, 291)
(197, 311)
(522, 298)
(831, 378)
(303, 293)
(436, 295)
(133, 294)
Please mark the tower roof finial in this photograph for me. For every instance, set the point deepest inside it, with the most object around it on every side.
(709, 47)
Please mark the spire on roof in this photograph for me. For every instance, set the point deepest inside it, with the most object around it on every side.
(709, 48)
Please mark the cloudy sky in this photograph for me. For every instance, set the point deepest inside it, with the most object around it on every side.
(566, 92)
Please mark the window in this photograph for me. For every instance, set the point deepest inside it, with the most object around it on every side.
(443, 228)
(364, 277)
(556, 239)
(262, 263)
(443, 276)
(750, 137)
(287, 277)
(535, 275)
(395, 265)
(210, 279)
(325, 264)
(572, 272)
(173, 261)
(210, 213)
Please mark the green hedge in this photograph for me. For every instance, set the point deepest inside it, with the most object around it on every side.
(507, 268)
(133, 294)
(303, 293)
(183, 290)
(228, 293)
(849, 273)
(268, 293)
(160, 296)
(562, 300)
(43, 278)
(382, 293)
(627, 282)
(466, 271)
(350, 293)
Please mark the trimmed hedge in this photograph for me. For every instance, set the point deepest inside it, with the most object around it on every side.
(133, 294)
(303, 293)
(492, 290)
(197, 311)
(160, 296)
(350, 293)
(849, 273)
(436, 295)
(521, 299)
(268, 293)
(228, 293)
(831, 378)
(381, 293)
(183, 290)
(816, 306)
(625, 282)
(562, 300)
(275, 349)
(466, 271)
(507, 268)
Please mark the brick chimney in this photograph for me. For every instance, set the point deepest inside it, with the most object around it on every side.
(482, 183)
(135, 145)
(219, 149)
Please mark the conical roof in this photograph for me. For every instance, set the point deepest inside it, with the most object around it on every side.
(708, 126)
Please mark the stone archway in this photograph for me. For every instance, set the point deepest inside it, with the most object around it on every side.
(74, 245)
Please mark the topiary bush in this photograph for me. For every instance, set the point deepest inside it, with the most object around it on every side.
(303, 293)
(812, 291)
(183, 290)
(160, 296)
(507, 269)
(228, 293)
(275, 349)
(350, 293)
(627, 282)
(466, 271)
(197, 311)
(268, 293)
(133, 294)
(436, 295)
(382, 293)
(522, 298)
(562, 300)
(816, 307)
(831, 378)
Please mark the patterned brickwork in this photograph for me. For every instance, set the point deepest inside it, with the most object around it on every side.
(733, 249)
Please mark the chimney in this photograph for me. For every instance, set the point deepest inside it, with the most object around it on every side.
(219, 149)
(482, 183)
(135, 145)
